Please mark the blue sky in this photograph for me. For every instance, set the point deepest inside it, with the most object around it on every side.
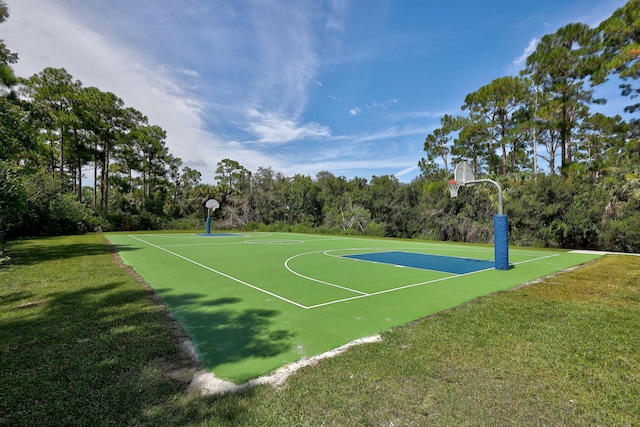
(301, 86)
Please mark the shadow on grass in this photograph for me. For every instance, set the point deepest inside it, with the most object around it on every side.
(27, 253)
(14, 297)
(227, 335)
(100, 354)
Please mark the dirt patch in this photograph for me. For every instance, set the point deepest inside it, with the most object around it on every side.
(30, 304)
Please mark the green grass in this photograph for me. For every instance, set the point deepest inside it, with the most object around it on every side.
(82, 342)
(80, 339)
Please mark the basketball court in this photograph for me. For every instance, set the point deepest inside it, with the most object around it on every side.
(253, 302)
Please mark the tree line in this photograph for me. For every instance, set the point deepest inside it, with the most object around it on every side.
(541, 120)
(570, 176)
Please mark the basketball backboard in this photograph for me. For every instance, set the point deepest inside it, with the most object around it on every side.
(212, 204)
(463, 173)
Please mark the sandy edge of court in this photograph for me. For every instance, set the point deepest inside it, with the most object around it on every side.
(585, 251)
(205, 383)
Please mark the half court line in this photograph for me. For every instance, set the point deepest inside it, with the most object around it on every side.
(221, 273)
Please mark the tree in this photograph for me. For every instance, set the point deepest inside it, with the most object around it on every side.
(561, 65)
(18, 135)
(602, 143)
(349, 216)
(198, 196)
(330, 190)
(12, 198)
(14, 118)
(268, 196)
(389, 204)
(302, 200)
(471, 145)
(621, 52)
(234, 187)
(7, 77)
(493, 109)
(55, 91)
(544, 129)
(436, 145)
(232, 177)
(183, 184)
(154, 155)
(106, 118)
(175, 189)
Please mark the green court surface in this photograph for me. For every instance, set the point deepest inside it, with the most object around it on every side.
(253, 302)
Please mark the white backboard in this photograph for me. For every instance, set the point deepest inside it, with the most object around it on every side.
(463, 173)
(212, 204)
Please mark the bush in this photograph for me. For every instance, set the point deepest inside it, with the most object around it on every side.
(188, 223)
(129, 222)
(13, 200)
(51, 211)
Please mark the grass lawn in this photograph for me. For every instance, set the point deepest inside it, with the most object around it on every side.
(82, 342)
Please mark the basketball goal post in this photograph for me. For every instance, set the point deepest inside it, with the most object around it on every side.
(464, 176)
(211, 205)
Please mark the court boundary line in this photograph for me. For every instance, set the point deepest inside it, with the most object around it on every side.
(362, 294)
(235, 279)
(419, 284)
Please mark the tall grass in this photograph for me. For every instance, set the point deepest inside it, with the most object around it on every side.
(83, 343)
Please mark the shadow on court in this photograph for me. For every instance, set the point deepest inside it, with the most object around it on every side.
(224, 334)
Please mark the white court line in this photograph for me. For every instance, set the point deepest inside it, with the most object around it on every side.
(221, 273)
(192, 236)
(286, 264)
(204, 244)
(418, 284)
(362, 294)
(536, 259)
(386, 291)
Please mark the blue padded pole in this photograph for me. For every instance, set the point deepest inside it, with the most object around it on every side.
(501, 244)
(208, 225)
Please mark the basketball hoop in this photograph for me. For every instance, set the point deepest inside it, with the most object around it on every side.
(211, 205)
(453, 188)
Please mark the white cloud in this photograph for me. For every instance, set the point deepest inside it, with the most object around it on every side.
(391, 133)
(344, 166)
(265, 97)
(190, 73)
(287, 58)
(46, 34)
(520, 61)
(407, 171)
(275, 128)
(381, 105)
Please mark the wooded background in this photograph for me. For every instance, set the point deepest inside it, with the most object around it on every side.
(570, 176)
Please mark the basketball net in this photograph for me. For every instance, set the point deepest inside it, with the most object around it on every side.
(453, 188)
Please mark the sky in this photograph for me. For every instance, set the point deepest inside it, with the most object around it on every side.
(352, 87)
